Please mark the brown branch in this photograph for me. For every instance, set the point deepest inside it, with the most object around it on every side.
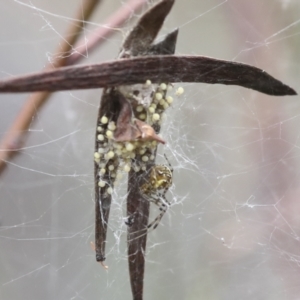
(15, 135)
(166, 68)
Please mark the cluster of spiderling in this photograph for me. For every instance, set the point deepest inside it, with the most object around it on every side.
(114, 158)
(153, 114)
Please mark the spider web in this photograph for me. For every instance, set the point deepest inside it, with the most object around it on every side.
(233, 229)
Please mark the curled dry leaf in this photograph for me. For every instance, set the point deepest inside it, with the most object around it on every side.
(147, 133)
(130, 129)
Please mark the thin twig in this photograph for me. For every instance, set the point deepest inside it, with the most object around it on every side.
(101, 34)
(15, 135)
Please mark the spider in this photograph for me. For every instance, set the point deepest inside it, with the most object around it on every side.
(159, 182)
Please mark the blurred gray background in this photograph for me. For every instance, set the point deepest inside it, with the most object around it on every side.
(233, 230)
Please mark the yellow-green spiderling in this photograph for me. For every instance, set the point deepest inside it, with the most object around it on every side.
(139, 108)
(163, 86)
(127, 168)
(142, 151)
(100, 137)
(104, 120)
(111, 126)
(158, 96)
(110, 154)
(111, 167)
(165, 105)
(96, 155)
(169, 99)
(179, 91)
(101, 183)
(129, 146)
(109, 134)
(155, 117)
(162, 101)
(151, 109)
(145, 158)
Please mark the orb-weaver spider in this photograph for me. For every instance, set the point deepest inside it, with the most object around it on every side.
(159, 182)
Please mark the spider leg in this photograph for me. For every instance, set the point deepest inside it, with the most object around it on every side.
(156, 221)
(160, 199)
(163, 196)
(163, 205)
(170, 166)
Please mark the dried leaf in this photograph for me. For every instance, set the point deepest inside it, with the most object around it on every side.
(146, 132)
(130, 129)
(166, 68)
(140, 38)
